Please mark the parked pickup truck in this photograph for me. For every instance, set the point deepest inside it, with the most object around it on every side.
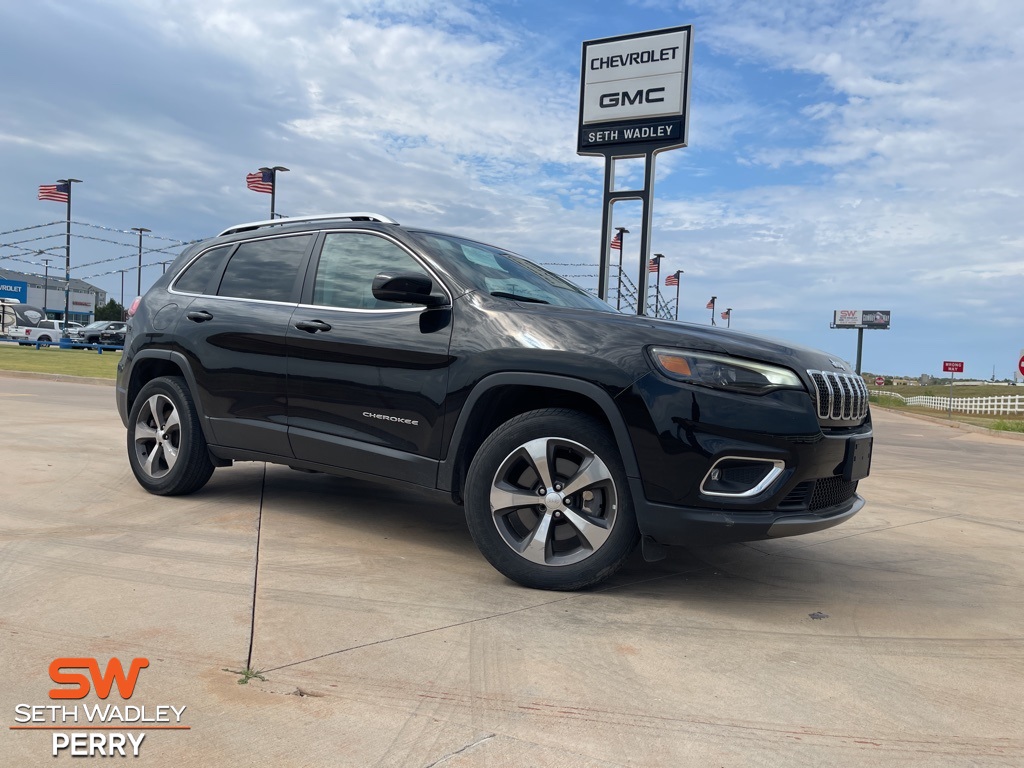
(46, 331)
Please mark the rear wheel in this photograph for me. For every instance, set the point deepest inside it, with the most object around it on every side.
(547, 501)
(166, 446)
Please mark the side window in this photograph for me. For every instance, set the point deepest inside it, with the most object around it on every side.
(265, 269)
(348, 263)
(196, 279)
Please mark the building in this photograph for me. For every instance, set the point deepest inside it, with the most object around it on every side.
(29, 289)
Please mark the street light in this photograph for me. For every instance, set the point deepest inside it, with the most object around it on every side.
(622, 241)
(273, 183)
(164, 264)
(46, 281)
(122, 271)
(140, 230)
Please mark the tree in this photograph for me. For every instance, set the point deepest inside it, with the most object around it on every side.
(110, 311)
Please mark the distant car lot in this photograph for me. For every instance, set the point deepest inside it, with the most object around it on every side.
(385, 639)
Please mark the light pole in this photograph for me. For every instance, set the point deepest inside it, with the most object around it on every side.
(657, 280)
(67, 257)
(46, 281)
(621, 237)
(273, 184)
(138, 287)
(163, 265)
(122, 271)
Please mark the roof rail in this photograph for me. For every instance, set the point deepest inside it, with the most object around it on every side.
(359, 216)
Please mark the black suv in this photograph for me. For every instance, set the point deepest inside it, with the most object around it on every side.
(352, 345)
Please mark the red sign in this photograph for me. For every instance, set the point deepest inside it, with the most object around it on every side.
(879, 381)
(949, 366)
(1020, 365)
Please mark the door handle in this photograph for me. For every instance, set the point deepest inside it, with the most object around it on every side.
(199, 316)
(312, 326)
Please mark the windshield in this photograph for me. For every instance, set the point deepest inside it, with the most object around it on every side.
(97, 324)
(506, 275)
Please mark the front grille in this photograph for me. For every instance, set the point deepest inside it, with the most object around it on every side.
(831, 491)
(796, 499)
(840, 396)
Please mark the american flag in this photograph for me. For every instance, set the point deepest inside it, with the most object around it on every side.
(261, 181)
(617, 242)
(725, 315)
(56, 192)
(672, 280)
(711, 304)
(652, 265)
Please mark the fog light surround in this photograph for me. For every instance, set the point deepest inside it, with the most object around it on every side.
(740, 477)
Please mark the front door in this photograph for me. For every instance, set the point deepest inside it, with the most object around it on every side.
(366, 379)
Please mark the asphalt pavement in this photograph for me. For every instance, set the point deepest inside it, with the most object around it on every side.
(381, 637)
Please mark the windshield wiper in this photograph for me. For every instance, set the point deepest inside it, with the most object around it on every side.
(505, 295)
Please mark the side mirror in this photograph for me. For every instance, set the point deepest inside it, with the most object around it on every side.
(406, 288)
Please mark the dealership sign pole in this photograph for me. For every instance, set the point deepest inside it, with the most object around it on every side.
(871, 319)
(952, 367)
(634, 102)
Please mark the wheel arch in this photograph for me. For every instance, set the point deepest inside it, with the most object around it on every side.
(154, 363)
(501, 396)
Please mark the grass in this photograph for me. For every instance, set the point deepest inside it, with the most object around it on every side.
(1003, 422)
(68, 362)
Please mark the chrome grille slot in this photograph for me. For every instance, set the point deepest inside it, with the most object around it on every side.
(840, 396)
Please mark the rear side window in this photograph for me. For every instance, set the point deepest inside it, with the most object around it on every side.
(266, 269)
(200, 273)
(348, 263)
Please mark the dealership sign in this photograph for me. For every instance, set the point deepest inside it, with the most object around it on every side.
(634, 92)
(14, 289)
(862, 318)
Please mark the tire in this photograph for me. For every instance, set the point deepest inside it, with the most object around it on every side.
(43, 338)
(166, 446)
(575, 534)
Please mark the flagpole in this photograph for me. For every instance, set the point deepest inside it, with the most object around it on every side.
(67, 257)
(713, 309)
(622, 246)
(657, 282)
(273, 185)
(678, 281)
(728, 317)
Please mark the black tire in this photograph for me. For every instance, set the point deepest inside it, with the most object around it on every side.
(166, 446)
(43, 338)
(585, 517)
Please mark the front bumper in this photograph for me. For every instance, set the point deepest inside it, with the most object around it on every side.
(692, 526)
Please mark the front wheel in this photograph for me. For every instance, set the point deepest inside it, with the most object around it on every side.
(547, 501)
(166, 446)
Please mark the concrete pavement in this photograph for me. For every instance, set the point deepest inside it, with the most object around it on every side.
(385, 639)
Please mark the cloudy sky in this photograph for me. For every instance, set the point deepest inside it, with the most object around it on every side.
(843, 154)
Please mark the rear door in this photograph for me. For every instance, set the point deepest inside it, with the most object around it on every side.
(366, 379)
(234, 334)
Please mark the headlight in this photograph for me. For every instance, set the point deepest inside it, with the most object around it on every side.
(723, 372)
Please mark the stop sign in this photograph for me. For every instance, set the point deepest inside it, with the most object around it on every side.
(1020, 364)
(879, 381)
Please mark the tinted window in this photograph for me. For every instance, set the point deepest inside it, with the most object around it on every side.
(507, 275)
(196, 279)
(265, 269)
(348, 263)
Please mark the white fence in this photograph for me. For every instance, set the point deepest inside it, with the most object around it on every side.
(996, 404)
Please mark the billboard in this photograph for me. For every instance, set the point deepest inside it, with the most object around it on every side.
(634, 91)
(877, 319)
